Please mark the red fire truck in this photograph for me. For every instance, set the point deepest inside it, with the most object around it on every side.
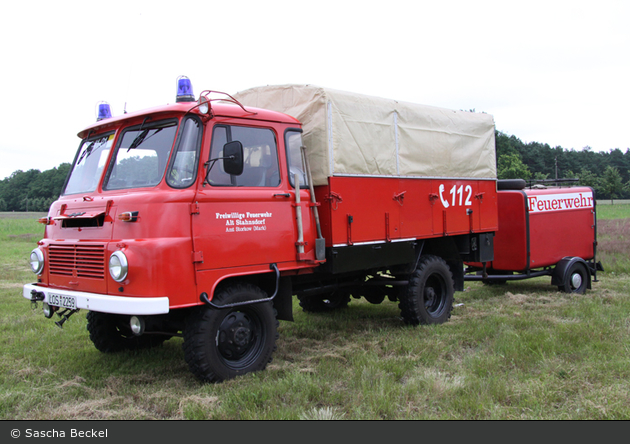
(203, 218)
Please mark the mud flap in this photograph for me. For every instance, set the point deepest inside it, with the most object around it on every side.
(283, 302)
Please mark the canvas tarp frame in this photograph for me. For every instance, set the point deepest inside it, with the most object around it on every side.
(348, 134)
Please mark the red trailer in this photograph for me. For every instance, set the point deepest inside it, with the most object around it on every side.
(543, 231)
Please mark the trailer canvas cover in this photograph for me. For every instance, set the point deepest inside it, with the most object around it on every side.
(348, 134)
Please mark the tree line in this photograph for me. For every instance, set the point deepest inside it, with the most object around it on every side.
(608, 173)
(32, 190)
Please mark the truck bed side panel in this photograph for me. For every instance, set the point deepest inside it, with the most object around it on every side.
(357, 210)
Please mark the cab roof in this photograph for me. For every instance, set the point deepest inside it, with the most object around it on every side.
(219, 109)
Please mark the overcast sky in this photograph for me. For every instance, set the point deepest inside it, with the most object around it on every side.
(549, 71)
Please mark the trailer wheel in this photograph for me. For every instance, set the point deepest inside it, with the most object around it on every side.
(221, 344)
(111, 333)
(575, 279)
(319, 303)
(428, 298)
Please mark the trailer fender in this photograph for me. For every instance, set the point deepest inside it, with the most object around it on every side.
(572, 275)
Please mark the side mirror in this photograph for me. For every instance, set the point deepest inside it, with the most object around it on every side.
(233, 158)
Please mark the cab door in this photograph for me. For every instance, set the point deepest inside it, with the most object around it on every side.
(245, 220)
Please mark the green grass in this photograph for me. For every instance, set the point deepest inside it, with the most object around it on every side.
(517, 351)
(616, 211)
(18, 232)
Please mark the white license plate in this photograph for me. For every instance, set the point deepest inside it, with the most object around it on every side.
(59, 300)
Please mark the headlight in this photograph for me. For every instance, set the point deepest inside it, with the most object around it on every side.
(37, 261)
(118, 266)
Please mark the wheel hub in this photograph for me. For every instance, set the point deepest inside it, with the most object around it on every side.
(235, 336)
(434, 295)
(429, 296)
(576, 280)
(242, 336)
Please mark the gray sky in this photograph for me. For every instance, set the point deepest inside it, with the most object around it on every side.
(550, 71)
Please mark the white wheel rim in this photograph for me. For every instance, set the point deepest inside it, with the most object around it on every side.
(576, 280)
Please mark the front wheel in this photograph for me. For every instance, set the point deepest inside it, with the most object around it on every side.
(428, 298)
(221, 344)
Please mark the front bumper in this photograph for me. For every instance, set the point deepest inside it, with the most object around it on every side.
(104, 303)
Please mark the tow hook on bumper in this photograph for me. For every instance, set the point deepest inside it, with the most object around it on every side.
(38, 296)
(35, 297)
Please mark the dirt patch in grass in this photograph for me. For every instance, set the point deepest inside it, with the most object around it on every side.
(21, 215)
(613, 245)
(614, 236)
(25, 236)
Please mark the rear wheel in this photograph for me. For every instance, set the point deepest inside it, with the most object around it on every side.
(576, 279)
(221, 344)
(429, 297)
(111, 333)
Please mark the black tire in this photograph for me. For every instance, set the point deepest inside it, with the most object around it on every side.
(576, 279)
(428, 298)
(111, 333)
(323, 303)
(221, 344)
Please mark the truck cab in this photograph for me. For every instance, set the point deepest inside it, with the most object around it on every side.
(153, 215)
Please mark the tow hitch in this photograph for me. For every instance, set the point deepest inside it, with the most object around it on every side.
(35, 297)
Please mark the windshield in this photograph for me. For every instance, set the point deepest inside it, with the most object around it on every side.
(141, 156)
(89, 165)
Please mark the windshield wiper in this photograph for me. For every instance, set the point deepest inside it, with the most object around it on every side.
(138, 140)
(141, 137)
(86, 153)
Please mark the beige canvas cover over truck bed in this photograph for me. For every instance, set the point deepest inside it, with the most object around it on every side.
(353, 134)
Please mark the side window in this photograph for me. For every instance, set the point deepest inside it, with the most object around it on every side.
(183, 169)
(260, 157)
(293, 141)
(217, 176)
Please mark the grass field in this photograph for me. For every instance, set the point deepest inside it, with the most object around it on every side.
(516, 351)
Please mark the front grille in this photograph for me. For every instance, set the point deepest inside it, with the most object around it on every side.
(84, 260)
